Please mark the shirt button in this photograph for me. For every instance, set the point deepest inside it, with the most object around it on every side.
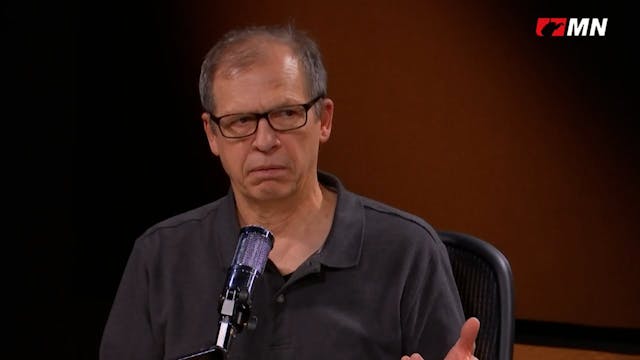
(280, 299)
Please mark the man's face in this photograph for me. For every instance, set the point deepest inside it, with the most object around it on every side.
(268, 165)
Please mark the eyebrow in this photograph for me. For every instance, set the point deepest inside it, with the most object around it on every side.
(284, 103)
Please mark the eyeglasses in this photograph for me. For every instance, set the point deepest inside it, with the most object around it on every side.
(284, 118)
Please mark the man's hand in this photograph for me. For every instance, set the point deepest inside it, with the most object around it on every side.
(466, 344)
(464, 347)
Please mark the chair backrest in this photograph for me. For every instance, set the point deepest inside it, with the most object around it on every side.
(484, 279)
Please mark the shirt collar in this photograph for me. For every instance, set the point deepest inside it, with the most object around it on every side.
(344, 243)
(342, 247)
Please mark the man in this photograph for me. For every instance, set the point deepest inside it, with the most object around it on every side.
(347, 278)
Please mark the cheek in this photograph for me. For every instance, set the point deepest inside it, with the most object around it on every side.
(307, 150)
(232, 160)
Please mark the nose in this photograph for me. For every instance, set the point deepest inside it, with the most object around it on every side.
(266, 139)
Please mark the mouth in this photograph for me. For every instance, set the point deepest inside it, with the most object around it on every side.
(268, 170)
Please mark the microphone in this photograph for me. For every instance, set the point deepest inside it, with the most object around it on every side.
(249, 260)
(248, 263)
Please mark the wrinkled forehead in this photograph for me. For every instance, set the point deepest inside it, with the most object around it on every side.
(244, 56)
(263, 77)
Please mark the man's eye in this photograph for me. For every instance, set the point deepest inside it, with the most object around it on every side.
(245, 119)
(241, 120)
(285, 113)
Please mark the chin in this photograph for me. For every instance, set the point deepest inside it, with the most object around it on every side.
(272, 191)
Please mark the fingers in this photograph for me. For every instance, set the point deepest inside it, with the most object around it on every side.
(464, 347)
(414, 356)
(469, 333)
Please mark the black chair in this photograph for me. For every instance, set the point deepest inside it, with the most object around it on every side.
(484, 280)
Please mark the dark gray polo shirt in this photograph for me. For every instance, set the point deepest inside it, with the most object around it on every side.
(381, 287)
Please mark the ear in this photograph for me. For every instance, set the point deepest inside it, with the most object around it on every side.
(211, 131)
(326, 119)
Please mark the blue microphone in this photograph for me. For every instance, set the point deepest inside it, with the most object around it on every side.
(248, 264)
(249, 260)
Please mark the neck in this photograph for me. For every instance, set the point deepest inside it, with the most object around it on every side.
(285, 213)
(300, 225)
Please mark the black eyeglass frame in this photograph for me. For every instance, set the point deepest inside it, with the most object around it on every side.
(265, 115)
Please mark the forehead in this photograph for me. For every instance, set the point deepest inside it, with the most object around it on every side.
(263, 74)
(253, 52)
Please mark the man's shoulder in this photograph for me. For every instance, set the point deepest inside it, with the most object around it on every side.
(394, 219)
(397, 233)
(392, 212)
(192, 218)
(379, 216)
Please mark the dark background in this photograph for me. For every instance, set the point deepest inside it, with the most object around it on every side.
(527, 142)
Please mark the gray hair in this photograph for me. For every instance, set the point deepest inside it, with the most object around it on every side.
(231, 50)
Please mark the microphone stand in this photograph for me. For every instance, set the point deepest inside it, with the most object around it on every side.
(235, 311)
(235, 301)
(235, 315)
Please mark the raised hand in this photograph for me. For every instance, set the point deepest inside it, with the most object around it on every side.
(463, 348)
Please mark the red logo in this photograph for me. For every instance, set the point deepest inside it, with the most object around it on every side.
(572, 27)
(551, 26)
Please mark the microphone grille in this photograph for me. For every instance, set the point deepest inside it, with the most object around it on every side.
(253, 249)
